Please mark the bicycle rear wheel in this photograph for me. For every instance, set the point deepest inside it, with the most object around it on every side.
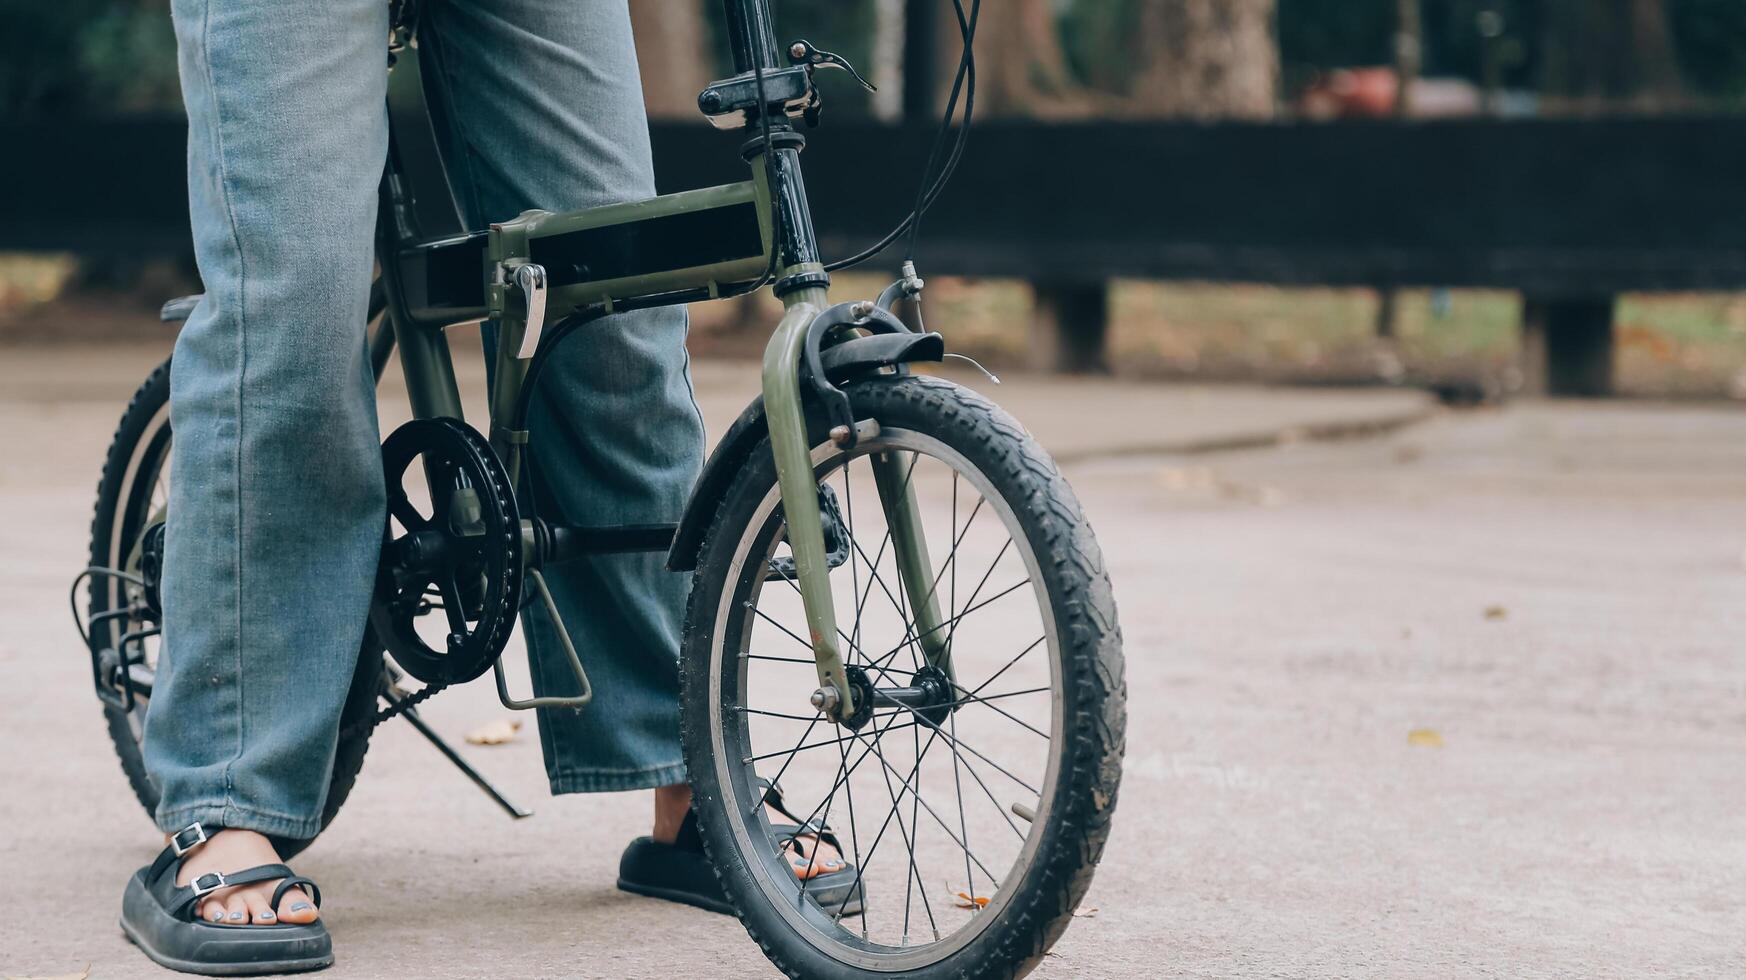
(975, 795)
(132, 497)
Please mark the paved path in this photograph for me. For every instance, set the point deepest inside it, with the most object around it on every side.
(1555, 593)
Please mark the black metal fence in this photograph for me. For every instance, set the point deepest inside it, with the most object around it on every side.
(1567, 211)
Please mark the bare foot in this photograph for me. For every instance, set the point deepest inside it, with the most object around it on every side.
(807, 855)
(233, 850)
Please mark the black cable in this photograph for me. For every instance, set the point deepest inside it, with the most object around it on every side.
(928, 191)
(966, 71)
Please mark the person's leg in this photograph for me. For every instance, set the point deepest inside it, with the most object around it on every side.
(547, 112)
(276, 501)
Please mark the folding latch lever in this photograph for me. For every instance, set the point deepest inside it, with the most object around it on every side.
(531, 280)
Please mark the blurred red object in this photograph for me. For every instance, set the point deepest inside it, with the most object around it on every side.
(1347, 93)
(1368, 93)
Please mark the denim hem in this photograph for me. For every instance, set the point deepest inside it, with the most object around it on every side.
(229, 816)
(615, 780)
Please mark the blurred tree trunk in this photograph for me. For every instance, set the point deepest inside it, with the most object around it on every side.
(673, 54)
(1207, 59)
(887, 69)
(1610, 51)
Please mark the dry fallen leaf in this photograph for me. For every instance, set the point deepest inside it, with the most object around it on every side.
(965, 900)
(1085, 912)
(495, 732)
(1496, 612)
(1425, 737)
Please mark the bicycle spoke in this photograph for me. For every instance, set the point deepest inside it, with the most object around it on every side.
(1003, 593)
(892, 813)
(1004, 814)
(841, 779)
(876, 577)
(853, 646)
(774, 714)
(920, 720)
(1038, 642)
(854, 845)
(774, 779)
(963, 824)
(1001, 711)
(978, 590)
(812, 862)
(908, 844)
(813, 745)
(924, 805)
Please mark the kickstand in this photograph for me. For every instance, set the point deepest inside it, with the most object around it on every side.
(478, 778)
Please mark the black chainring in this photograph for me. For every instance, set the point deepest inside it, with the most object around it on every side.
(467, 547)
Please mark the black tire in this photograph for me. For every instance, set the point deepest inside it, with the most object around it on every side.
(1040, 898)
(123, 511)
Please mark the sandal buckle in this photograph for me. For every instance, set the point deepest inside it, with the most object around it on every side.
(207, 883)
(199, 837)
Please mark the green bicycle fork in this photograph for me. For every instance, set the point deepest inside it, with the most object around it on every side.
(798, 485)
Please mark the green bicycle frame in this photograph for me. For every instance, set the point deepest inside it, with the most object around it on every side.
(541, 267)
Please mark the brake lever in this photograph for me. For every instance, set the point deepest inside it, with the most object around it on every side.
(802, 52)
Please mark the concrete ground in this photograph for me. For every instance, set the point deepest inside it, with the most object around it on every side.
(1464, 698)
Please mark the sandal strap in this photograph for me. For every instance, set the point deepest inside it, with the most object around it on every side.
(181, 900)
(295, 881)
(791, 833)
(773, 798)
(182, 843)
(799, 828)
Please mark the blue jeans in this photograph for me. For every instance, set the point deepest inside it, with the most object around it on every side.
(277, 504)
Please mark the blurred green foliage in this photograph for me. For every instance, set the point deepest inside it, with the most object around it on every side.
(86, 56)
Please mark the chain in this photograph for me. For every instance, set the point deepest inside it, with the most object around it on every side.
(394, 709)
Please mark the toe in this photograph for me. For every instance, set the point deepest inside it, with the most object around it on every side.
(236, 910)
(805, 868)
(259, 912)
(296, 907)
(820, 861)
(212, 910)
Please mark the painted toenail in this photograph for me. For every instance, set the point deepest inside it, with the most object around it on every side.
(238, 916)
(267, 915)
(300, 907)
(218, 915)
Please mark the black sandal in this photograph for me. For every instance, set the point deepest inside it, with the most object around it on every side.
(680, 872)
(158, 916)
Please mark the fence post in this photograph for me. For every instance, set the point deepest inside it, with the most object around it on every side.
(1069, 324)
(1567, 346)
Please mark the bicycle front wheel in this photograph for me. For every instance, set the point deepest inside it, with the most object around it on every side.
(973, 788)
